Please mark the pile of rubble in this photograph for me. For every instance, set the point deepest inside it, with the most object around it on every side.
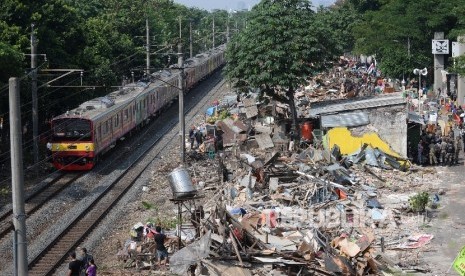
(261, 206)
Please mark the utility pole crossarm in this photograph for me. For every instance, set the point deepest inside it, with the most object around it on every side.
(68, 72)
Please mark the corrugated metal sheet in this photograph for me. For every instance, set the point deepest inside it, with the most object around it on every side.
(264, 141)
(263, 129)
(345, 120)
(416, 118)
(328, 107)
(234, 126)
(249, 102)
(250, 106)
(251, 111)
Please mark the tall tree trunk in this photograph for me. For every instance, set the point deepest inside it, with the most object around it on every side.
(295, 126)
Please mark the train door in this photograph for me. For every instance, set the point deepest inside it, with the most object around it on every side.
(110, 130)
(138, 112)
(98, 138)
(145, 108)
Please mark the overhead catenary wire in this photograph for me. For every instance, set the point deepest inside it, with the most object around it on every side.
(49, 133)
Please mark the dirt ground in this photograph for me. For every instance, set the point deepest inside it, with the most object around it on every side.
(449, 223)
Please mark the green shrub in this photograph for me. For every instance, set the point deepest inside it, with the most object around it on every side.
(419, 201)
(147, 205)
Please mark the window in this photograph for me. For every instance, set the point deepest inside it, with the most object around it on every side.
(71, 129)
(126, 114)
(107, 128)
(117, 120)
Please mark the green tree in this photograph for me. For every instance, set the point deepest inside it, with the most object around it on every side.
(281, 47)
(399, 32)
(337, 21)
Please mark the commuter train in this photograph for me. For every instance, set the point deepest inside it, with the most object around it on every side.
(81, 135)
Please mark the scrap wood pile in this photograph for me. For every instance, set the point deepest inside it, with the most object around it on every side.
(347, 79)
(308, 212)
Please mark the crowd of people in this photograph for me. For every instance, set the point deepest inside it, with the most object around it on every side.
(438, 147)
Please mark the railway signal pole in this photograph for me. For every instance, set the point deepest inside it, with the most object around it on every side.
(19, 214)
(182, 132)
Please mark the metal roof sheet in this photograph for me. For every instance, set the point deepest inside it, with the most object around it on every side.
(264, 141)
(379, 101)
(416, 118)
(345, 120)
(251, 111)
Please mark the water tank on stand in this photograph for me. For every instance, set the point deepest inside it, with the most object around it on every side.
(181, 183)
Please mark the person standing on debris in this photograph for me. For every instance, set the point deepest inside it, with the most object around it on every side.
(74, 267)
(458, 148)
(462, 134)
(410, 150)
(218, 139)
(450, 153)
(420, 153)
(198, 137)
(162, 252)
(192, 136)
(432, 154)
(443, 149)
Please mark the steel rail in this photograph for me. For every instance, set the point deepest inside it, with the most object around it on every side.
(46, 262)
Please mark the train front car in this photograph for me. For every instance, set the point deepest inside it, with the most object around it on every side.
(72, 143)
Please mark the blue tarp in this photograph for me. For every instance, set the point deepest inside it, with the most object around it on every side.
(210, 111)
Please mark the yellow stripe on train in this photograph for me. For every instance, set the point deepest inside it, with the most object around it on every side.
(72, 147)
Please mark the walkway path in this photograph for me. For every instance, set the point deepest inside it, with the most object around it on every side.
(448, 226)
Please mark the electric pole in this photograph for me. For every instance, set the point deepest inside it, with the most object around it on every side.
(35, 108)
(190, 38)
(227, 30)
(213, 32)
(147, 48)
(181, 104)
(180, 29)
(19, 214)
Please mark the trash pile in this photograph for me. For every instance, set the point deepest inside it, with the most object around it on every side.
(314, 210)
(348, 79)
(268, 207)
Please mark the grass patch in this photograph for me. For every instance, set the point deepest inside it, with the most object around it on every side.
(147, 205)
(4, 191)
(424, 226)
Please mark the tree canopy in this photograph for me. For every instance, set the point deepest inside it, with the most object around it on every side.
(399, 32)
(284, 43)
(105, 38)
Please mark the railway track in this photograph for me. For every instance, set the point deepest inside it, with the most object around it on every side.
(47, 261)
(36, 199)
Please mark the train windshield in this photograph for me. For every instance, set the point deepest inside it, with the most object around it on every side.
(71, 129)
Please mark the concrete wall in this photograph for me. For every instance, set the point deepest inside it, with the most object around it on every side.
(390, 123)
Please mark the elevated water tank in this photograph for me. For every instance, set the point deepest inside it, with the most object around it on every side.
(181, 183)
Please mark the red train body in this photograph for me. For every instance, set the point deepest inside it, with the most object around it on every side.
(81, 135)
